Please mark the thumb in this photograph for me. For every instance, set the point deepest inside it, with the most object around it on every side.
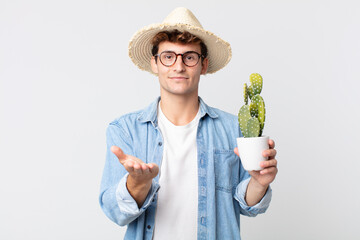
(118, 152)
(236, 151)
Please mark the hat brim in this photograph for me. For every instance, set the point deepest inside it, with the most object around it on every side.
(219, 51)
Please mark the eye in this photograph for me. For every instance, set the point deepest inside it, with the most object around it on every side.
(191, 57)
(168, 56)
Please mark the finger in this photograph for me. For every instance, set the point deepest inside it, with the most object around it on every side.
(236, 151)
(271, 170)
(145, 168)
(150, 165)
(122, 156)
(271, 153)
(137, 168)
(129, 166)
(153, 168)
(269, 163)
(271, 144)
(119, 153)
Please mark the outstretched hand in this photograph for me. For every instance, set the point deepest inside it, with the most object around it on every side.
(139, 171)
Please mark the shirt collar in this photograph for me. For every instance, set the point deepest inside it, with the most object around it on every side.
(149, 114)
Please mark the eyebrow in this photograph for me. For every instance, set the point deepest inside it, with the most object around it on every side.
(178, 53)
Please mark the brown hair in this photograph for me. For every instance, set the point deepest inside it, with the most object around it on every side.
(176, 36)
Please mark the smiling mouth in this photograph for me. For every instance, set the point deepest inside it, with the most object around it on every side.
(178, 78)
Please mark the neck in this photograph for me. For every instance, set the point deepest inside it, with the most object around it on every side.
(180, 110)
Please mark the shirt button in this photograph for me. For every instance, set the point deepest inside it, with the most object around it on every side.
(148, 226)
(160, 143)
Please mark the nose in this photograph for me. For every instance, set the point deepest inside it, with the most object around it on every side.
(179, 65)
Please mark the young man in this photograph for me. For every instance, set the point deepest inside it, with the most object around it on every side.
(172, 170)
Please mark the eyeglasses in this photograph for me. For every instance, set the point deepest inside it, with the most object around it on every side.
(168, 58)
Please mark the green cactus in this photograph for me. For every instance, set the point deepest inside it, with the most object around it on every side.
(252, 117)
(250, 92)
(253, 127)
(253, 108)
(244, 116)
(257, 82)
(246, 95)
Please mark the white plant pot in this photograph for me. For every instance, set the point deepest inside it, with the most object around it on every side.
(250, 151)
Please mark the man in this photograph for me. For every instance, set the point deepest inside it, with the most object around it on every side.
(172, 170)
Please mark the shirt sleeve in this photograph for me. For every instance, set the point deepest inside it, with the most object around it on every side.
(252, 211)
(115, 200)
(127, 203)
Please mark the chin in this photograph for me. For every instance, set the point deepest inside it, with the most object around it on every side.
(182, 92)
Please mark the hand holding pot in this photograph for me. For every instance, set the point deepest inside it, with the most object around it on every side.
(269, 171)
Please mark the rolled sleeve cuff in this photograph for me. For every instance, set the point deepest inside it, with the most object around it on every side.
(127, 203)
(260, 207)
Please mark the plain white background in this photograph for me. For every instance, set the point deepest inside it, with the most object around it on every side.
(65, 74)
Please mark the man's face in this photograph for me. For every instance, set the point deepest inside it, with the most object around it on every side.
(179, 79)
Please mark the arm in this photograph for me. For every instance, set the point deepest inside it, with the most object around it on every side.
(120, 202)
(140, 175)
(253, 192)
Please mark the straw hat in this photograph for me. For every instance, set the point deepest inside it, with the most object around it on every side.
(182, 19)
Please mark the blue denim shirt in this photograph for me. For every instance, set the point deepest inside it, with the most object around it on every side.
(222, 179)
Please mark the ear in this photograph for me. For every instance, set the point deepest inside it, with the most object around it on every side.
(154, 66)
(205, 65)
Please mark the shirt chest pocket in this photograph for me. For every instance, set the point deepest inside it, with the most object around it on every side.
(226, 170)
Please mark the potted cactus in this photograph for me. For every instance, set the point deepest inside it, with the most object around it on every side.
(251, 121)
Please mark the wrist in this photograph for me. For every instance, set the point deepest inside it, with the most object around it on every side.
(255, 192)
(135, 185)
(258, 187)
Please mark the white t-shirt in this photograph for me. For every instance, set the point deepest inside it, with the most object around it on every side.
(177, 205)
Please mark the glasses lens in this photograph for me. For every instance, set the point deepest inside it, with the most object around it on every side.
(190, 58)
(167, 58)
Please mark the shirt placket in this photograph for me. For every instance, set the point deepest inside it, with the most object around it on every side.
(151, 211)
(202, 193)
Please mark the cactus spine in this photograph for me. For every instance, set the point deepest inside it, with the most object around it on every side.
(252, 117)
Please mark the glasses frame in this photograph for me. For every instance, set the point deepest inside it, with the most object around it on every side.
(182, 57)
